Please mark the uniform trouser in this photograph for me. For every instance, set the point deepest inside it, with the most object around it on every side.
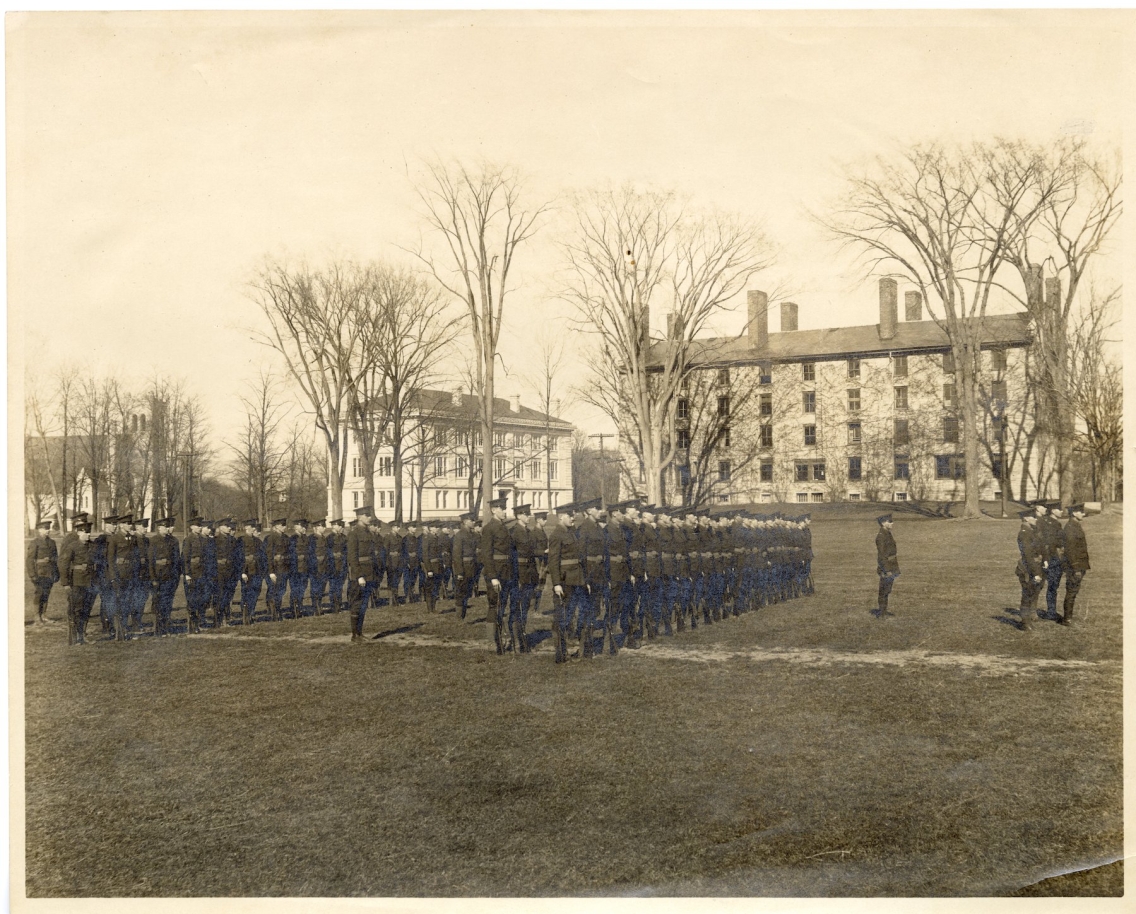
(358, 596)
(105, 592)
(520, 599)
(572, 604)
(197, 595)
(428, 582)
(498, 600)
(164, 605)
(446, 580)
(138, 601)
(1053, 577)
(250, 593)
(80, 602)
(394, 581)
(335, 591)
(223, 599)
(1030, 589)
(123, 598)
(887, 581)
(463, 585)
(1072, 588)
(297, 584)
(410, 582)
(274, 594)
(42, 592)
(319, 588)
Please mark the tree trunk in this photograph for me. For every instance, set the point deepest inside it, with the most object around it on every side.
(966, 377)
(487, 429)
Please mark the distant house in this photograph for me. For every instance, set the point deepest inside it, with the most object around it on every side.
(441, 456)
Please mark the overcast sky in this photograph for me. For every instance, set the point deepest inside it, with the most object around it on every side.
(156, 159)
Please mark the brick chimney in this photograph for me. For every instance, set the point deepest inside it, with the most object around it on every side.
(674, 326)
(913, 306)
(788, 316)
(889, 307)
(758, 327)
(456, 399)
(515, 403)
(645, 328)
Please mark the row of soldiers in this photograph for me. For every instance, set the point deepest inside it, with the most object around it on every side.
(1047, 552)
(618, 576)
(635, 569)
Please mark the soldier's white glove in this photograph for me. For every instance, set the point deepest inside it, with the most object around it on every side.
(245, 577)
(362, 582)
(272, 578)
(1045, 564)
(1037, 578)
(496, 583)
(558, 590)
(632, 579)
(188, 579)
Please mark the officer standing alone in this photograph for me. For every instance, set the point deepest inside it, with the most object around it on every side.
(887, 562)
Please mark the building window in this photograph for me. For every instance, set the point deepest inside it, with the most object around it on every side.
(765, 372)
(439, 466)
(998, 360)
(723, 499)
(810, 401)
(682, 409)
(355, 499)
(949, 395)
(498, 439)
(386, 466)
(810, 435)
(853, 368)
(767, 435)
(683, 439)
(460, 467)
(802, 472)
(855, 469)
(554, 500)
(818, 472)
(723, 471)
(900, 496)
(538, 499)
(723, 377)
(439, 436)
(357, 467)
(478, 439)
(499, 467)
(950, 430)
(902, 432)
(767, 496)
(726, 436)
(998, 390)
(948, 466)
(809, 371)
(552, 465)
(767, 404)
(440, 498)
(854, 432)
(723, 406)
(553, 442)
(534, 466)
(818, 496)
(902, 468)
(518, 469)
(899, 366)
(537, 442)
(948, 363)
(901, 398)
(767, 471)
(853, 496)
(802, 497)
(996, 468)
(854, 399)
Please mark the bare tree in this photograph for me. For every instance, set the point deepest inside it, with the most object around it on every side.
(312, 321)
(405, 329)
(94, 429)
(38, 477)
(630, 250)
(1098, 393)
(258, 454)
(480, 215)
(551, 347)
(945, 219)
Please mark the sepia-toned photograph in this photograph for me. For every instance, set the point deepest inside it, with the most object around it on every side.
(566, 455)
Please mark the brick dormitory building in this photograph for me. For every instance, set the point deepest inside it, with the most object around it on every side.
(848, 413)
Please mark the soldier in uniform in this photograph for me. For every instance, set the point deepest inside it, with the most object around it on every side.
(1052, 538)
(78, 573)
(412, 551)
(1076, 561)
(463, 558)
(634, 593)
(526, 549)
(394, 563)
(363, 568)
(431, 547)
(122, 569)
(617, 546)
(141, 583)
(254, 566)
(590, 538)
(278, 558)
(887, 562)
(300, 574)
(319, 562)
(195, 582)
(337, 557)
(567, 577)
(1029, 569)
(42, 565)
(230, 563)
(164, 570)
(497, 563)
(103, 584)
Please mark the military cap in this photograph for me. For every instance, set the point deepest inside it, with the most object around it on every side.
(251, 522)
(566, 509)
(498, 502)
(1077, 509)
(522, 509)
(80, 516)
(143, 522)
(883, 519)
(1028, 514)
(1040, 506)
(365, 511)
(164, 522)
(336, 522)
(624, 505)
(541, 515)
(280, 522)
(591, 504)
(469, 516)
(124, 519)
(83, 526)
(44, 525)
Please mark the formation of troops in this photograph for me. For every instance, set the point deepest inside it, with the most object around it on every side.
(615, 577)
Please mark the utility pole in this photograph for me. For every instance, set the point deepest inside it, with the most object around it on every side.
(185, 458)
(1002, 457)
(603, 467)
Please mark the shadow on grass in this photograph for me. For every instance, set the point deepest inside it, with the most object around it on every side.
(401, 630)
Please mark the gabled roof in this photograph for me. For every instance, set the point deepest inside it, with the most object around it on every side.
(441, 403)
(843, 342)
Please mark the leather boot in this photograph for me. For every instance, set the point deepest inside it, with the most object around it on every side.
(613, 647)
(680, 622)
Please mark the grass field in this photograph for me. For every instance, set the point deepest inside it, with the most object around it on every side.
(808, 749)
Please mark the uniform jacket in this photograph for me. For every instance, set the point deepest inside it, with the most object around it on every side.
(463, 555)
(527, 548)
(563, 556)
(1050, 537)
(78, 564)
(230, 558)
(362, 554)
(43, 560)
(1076, 548)
(496, 551)
(278, 553)
(432, 548)
(1029, 551)
(337, 549)
(590, 538)
(164, 559)
(617, 544)
(887, 556)
(121, 558)
(254, 562)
